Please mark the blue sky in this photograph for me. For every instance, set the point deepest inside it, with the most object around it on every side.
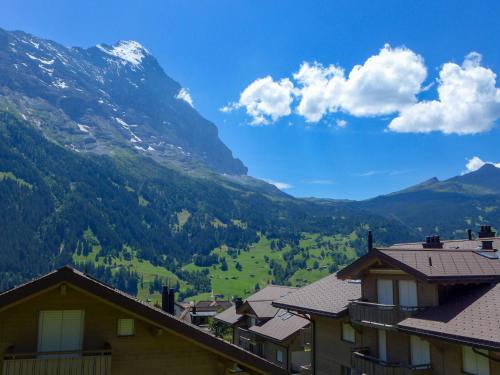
(217, 49)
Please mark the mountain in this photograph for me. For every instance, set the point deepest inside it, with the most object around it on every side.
(105, 99)
(129, 217)
(446, 207)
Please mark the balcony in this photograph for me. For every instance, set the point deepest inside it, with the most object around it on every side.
(365, 364)
(377, 314)
(88, 362)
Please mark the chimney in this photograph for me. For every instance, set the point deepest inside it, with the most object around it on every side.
(238, 302)
(370, 241)
(171, 302)
(486, 232)
(168, 300)
(469, 234)
(487, 245)
(432, 242)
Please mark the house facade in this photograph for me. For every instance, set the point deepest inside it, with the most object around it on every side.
(275, 334)
(419, 308)
(69, 323)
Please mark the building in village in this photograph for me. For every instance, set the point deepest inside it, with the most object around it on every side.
(69, 323)
(429, 308)
(275, 334)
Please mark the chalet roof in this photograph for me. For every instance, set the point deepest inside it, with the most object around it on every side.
(432, 264)
(271, 293)
(472, 319)
(451, 244)
(153, 314)
(229, 316)
(281, 327)
(212, 305)
(328, 296)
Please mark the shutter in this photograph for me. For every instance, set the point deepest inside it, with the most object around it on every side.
(60, 330)
(49, 331)
(420, 351)
(382, 345)
(408, 293)
(384, 291)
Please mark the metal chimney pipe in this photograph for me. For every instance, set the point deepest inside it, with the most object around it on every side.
(370, 241)
(165, 297)
(469, 234)
(171, 302)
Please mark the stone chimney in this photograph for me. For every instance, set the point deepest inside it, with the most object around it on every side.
(432, 242)
(486, 232)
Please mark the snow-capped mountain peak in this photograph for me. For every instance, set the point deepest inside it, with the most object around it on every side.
(128, 50)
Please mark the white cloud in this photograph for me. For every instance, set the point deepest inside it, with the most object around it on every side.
(184, 95)
(341, 123)
(384, 84)
(475, 163)
(387, 83)
(265, 100)
(468, 102)
(278, 184)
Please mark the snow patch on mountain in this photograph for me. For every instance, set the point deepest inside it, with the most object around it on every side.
(184, 95)
(129, 50)
(46, 62)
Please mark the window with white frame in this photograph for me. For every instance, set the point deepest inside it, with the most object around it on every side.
(348, 333)
(420, 351)
(126, 327)
(475, 361)
(279, 356)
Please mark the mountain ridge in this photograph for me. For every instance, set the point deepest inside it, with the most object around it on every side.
(88, 100)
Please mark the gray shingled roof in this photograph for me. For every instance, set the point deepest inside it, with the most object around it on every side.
(473, 318)
(328, 296)
(229, 316)
(281, 327)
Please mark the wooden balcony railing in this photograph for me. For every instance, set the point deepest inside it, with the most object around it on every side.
(365, 364)
(87, 362)
(379, 314)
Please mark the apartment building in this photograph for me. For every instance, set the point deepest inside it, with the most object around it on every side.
(275, 334)
(67, 322)
(419, 308)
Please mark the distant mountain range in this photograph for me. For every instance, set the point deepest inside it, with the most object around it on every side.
(104, 162)
(446, 207)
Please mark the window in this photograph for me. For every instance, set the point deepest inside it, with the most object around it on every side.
(279, 356)
(348, 333)
(382, 345)
(420, 352)
(384, 292)
(126, 327)
(408, 293)
(475, 363)
(60, 330)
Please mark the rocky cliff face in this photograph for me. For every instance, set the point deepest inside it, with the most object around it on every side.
(105, 99)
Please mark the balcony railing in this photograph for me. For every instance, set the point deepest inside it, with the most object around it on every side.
(379, 314)
(88, 362)
(365, 364)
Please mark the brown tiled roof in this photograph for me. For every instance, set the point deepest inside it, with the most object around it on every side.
(431, 264)
(472, 319)
(271, 293)
(328, 296)
(262, 309)
(452, 244)
(153, 314)
(212, 305)
(229, 316)
(281, 327)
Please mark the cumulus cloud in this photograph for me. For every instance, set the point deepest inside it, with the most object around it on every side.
(184, 95)
(468, 102)
(265, 100)
(387, 83)
(475, 163)
(384, 84)
(278, 184)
